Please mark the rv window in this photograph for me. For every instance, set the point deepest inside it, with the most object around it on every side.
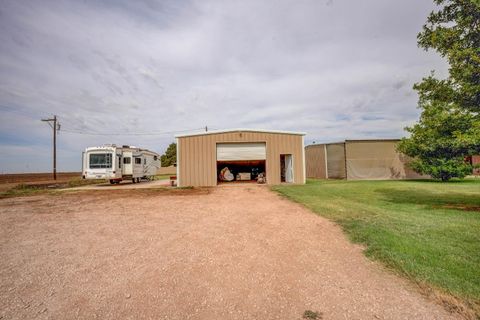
(126, 160)
(145, 161)
(155, 158)
(119, 162)
(138, 161)
(100, 160)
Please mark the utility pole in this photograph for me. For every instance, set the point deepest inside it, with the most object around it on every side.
(206, 129)
(55, 127)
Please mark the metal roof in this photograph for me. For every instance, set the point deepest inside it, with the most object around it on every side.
(371, 140)
(353, 141)
(238, 130)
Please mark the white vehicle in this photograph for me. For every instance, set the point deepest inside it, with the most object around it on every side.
(119, 163)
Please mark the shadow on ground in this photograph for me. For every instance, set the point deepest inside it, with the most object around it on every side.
(435, 200)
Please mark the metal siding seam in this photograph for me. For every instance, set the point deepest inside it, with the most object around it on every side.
(201, 172)
(186, 166)
(208, 159)
(303, 155)
(178, 161)
(213, 158)
(326, 163)
(345, 155)
(272, 167)
(190, 167)
(198, 164)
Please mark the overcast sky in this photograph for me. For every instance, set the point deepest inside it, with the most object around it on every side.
(335, 69)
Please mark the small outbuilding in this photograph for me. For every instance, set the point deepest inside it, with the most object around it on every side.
(246, 155)
(358, 160)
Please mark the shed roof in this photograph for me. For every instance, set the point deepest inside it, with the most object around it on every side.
(238, 130)
(353, 141)
(372, 140)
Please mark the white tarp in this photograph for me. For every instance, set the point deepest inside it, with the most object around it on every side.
(336, 161)
(288, 168)
(377, 160)
(241, 151)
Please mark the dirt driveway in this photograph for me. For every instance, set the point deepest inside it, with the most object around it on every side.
(235, 252)
(125, 185)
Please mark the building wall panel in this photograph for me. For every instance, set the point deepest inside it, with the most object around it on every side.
(336, 161)
(359, 160)
(315, 161)
(377, 160)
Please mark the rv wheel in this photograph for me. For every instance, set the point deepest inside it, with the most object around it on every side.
(133, 180)
(112, 181)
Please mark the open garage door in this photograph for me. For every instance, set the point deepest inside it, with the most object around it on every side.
(241, 151)
(240, 161)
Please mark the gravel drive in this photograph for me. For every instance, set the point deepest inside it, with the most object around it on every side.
(231, 252)
(124, 185)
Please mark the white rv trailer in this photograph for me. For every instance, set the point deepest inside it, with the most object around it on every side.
(114, 163)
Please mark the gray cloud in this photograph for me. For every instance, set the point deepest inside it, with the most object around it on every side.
(335, 69)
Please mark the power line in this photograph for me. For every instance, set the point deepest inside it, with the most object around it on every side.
(153, 133)
(83, 132)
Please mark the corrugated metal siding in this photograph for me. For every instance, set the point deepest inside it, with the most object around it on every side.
(336, 161)
(197, 154)
(315, 161)
(377, 160)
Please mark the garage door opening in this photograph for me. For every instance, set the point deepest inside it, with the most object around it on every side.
(239, 171)
(240, 162)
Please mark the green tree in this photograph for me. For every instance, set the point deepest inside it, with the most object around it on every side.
(170, 156)
(449, 126)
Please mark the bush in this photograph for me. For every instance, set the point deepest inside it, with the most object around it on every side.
(443, 169)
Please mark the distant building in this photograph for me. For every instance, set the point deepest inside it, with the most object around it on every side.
(358, 160)
(475, 161)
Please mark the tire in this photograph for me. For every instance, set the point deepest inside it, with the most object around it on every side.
(133, 180)
(138, 180)
(112, 181)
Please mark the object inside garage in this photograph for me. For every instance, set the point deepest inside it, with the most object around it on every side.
(241, 162)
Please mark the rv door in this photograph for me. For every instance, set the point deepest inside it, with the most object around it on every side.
(127, 168)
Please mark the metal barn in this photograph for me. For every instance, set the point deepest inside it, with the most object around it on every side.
(358, 160)
(248, 154)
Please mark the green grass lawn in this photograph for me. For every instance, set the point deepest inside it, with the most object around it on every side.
(427, 230)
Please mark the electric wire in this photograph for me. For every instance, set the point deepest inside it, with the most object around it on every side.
(129, 133)
(91, 133)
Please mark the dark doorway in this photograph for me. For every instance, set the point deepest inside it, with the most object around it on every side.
(241, 170)
(286, 168)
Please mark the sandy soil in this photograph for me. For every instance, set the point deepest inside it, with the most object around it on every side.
(232, 252)
(125, 185)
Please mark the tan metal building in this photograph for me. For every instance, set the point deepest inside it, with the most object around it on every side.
(358, 160)
(247, 153)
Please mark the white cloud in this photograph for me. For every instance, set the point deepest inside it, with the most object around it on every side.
(335, 69)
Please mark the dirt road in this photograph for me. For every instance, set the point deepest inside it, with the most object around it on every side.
(234, 252)
(125, 185)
